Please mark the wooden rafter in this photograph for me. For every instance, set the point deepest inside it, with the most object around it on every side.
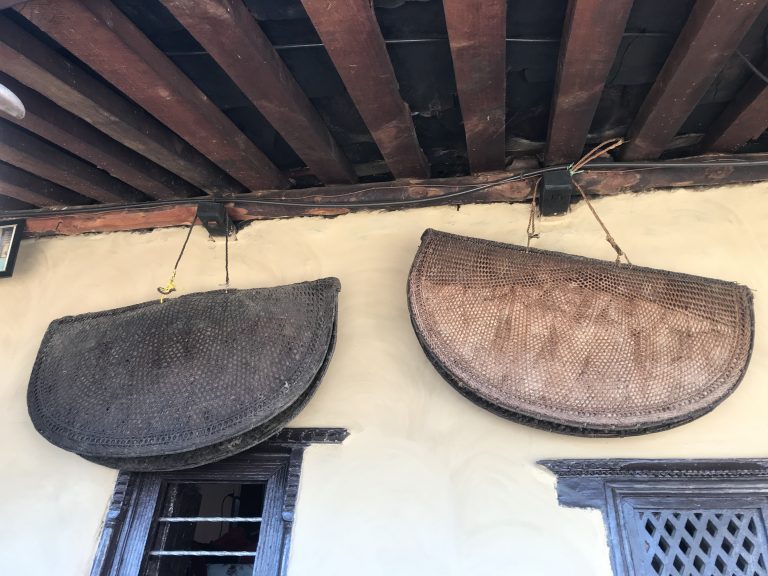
(609, 181)
(31, 62)
(229, 33)
(591, 36)
(712, 33)
(35, 191)
(351, 35)
(477, 35)
(100, 35)
(36, 156)
(53, 123)
(744, 119)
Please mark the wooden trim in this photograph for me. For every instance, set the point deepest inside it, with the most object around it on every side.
(351, 35)
(710, 36)
(605, 182)
(34, 64)
(591, 36)
(29, 153)
(477, 36)
(614, 486)
(56, 125)
(230, 34)
(121, 547)
(744, 119)
(36, 191)
(100, 35)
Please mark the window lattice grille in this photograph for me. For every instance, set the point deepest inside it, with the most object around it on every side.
(703, 543)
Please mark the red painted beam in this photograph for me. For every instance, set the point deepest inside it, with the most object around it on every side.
(229, 33)
(591, 36)
(744, 119)
(351, 35)
(477, 35)
(100, 35)
(710, 36)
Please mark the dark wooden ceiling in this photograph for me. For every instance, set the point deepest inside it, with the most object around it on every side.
(139, 100)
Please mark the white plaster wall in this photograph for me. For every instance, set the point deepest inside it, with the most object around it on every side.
(427, 484)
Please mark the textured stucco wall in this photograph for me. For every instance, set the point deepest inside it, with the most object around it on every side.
(427, 484)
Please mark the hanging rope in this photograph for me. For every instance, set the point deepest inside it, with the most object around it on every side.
(608, 237)
(597, 151)
(573, 169)
(171, 286)
(226, 250)
(532, 220)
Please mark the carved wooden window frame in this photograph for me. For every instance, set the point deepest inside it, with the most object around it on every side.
(617, 486)
(122, 548)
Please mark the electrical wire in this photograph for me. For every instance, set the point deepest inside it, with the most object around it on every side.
(752, 67)
(592, 167)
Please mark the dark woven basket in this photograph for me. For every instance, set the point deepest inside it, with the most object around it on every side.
(577, 345)
(180, 384)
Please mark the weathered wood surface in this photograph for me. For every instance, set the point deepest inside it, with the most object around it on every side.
(744, 119)
(591, 36)
(35, 191)
(36, 156)
(229, 33)
(38, 67)
(351, 35)
(56, 125)
(477, 35)
(105, 39)
(603, 182)
(710, 36)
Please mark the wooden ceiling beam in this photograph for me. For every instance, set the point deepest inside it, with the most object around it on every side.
(34, 64)
(744, 119)
(31, 154)
(100, 35)
(606, 182)
(710, 36)
(230, 34)
(351, 35)
(56, 125)
(591, 36)
(35, 191)
(477, 36)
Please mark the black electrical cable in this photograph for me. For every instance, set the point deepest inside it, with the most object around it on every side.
(752, 67)
(593, 167)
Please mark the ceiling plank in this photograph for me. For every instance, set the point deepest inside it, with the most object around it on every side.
(31, 62)
(230, 34)
(710, 36)
(477, 35)
(591, 36)
(744, 119)
(31, 154)
(30, 189)
(56, 125)
(351, 35)
(98, 33)
(603, 182)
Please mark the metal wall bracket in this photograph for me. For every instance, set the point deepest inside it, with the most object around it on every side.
(555, 194)
(215, 219)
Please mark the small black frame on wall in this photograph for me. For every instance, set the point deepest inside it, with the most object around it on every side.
(10, 238)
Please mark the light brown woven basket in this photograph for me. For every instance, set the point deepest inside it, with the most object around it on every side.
(577, 345)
